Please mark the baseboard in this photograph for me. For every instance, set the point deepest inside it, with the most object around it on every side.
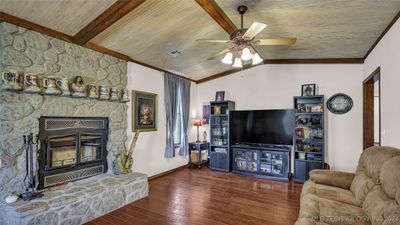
(167, 172)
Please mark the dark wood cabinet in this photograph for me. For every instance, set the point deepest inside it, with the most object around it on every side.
(263, 162)
(309, 131)
(220, 153)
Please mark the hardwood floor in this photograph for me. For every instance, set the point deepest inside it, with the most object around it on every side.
(193, 196)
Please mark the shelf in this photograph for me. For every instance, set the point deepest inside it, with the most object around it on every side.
(310, 160)
(310, 140)
(310, 113)
(309, 126)
(319, 153)
(219, 115)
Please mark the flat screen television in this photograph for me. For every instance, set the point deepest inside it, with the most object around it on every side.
(267, 127)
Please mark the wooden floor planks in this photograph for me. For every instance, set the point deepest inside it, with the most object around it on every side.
(201, 196)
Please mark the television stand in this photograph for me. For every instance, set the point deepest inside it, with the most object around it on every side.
(268, 162)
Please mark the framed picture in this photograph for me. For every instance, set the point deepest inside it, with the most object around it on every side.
(308, 90)
(206, 114)
(220, 96)
(144, 111)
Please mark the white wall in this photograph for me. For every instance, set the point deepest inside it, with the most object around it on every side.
(273, 87)
(387, 56)
(149, 151)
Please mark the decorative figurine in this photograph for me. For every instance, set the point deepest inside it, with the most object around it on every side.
(11, 80)
(30, 83)
(93, 91)
(124, 95)
(50, 86)
(114, 94)
(78, 87)
(104, 92)
(204, 136)
(63, 84)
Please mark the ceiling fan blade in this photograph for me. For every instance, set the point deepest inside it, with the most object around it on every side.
(275, 41)
(219, 53)
(253, 30)
(213, 40)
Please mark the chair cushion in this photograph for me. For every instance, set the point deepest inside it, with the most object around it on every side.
(390, 178)
(369, 168)
(329, 192)
(372, 159)
(362, 185)
(378, 206)
(314, 209)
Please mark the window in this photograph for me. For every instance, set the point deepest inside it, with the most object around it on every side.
(178, 122)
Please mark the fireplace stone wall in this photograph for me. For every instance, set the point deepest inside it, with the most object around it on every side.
(29, 51)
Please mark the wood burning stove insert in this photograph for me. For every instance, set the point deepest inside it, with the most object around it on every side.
(71, 148)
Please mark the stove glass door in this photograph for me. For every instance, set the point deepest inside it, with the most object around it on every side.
(90, 149)
(62, 151)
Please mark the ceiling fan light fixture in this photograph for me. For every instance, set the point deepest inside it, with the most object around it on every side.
(256, 59)
(228, 58)
(246, 54)
(238, 63)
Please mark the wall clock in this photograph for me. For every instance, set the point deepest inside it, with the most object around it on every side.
(339, 103)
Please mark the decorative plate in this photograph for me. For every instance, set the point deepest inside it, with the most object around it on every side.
(339, 103)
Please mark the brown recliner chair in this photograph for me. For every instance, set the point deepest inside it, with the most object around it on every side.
(370, 196)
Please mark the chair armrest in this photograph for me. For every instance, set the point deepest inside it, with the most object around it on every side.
(332, 178)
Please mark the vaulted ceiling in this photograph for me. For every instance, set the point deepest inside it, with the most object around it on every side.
(145, 31)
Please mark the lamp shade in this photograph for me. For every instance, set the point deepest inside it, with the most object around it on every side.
(246, 54)
(256, 59)
(228, 58)
(238, 63)
(197, 122)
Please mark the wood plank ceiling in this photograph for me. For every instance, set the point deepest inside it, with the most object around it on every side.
(145, 31)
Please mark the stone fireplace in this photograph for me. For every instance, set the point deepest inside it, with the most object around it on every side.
(72, 148)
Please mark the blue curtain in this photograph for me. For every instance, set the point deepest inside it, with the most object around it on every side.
(184, 87)
(170, 93)
(176, 90)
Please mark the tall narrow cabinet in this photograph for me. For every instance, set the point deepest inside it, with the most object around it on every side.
(220, 153)
(309, 130)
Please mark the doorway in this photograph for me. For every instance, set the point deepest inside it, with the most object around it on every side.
(372, 109)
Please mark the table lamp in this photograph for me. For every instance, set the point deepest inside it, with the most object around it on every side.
(197, 123)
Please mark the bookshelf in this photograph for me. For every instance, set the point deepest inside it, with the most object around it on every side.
(309, 131)
(220, 154)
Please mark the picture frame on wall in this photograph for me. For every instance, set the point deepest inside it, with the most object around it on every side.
(144, 111)
(220, 96)
(308, 90)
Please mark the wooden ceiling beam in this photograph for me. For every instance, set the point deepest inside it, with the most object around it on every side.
(213, 9)
(65, 37)
(111, 15)
(287, 61)
(33, 26)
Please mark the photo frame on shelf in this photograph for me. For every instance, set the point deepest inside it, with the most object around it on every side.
(308, 90)
(220, 96)
(144, 111)
(206, 114)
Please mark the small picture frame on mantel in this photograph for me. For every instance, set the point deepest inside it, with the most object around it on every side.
(308, 90)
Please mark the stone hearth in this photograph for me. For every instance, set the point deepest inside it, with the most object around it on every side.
(77, 202)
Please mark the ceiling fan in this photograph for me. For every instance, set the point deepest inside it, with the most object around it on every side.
(243, 41)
